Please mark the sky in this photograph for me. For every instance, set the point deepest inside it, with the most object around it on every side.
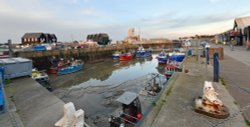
(75, 19)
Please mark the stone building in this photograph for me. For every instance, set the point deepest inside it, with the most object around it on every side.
(131, 38)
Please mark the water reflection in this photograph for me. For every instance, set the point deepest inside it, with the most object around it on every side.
(108, 72)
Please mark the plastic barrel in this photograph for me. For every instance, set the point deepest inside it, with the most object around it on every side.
(189, 52)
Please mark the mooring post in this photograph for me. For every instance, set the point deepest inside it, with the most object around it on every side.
(207, 55)
(216, 67)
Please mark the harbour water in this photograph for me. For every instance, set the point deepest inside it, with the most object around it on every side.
(95, 88)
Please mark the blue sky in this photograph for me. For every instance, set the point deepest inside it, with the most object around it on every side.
(151, 18)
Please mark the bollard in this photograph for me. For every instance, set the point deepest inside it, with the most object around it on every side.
(207, 55)
(216, 67)
(72, 118)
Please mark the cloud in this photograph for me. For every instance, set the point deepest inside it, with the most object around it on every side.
(74, 17)
(73, 1)
(90, 12)
(214, 1)
(178, 20)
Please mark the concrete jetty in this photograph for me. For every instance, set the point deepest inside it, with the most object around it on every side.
(35, 105)
(175, 108)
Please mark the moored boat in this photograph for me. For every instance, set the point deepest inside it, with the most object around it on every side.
(42, 78)
(177, 56)
(53, 70)
(169, 70)
(39, 75)
(74, 67)
(126, 56)
(141, 52)
(162, 58)
(116, 55)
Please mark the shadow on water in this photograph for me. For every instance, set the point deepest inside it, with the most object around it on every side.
(96, 87)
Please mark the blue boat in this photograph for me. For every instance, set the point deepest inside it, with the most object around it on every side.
(70, 69)
(162, 57)
(141, 53)
(177, 56)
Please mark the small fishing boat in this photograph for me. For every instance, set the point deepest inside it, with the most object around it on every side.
(126, 56)
(162, 58)
(169, 70)
(37, 75)
(42, 78)
(130, 112)
(53, 70)
(56, 65)
(75, 66)
(177, 56)
(116, 55)
(141, 52)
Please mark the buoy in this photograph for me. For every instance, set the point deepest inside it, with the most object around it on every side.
(139, 116)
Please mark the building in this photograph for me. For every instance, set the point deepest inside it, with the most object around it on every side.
(131, 38)
(157, 43)
(241, 30)
(131, 32)
(101, 38)
(50, 38)
(38, 38)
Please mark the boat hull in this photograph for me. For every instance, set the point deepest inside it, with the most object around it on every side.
(70, 69)
(124, 58)
(162, 60)
(115, 56)
(143, 54)
(177, 57)
(53, 70)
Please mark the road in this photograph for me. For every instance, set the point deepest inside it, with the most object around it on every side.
(235, 70)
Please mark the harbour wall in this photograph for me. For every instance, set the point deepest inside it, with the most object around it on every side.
(91, 54)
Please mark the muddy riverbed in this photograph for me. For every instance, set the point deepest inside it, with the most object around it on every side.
(98, 85)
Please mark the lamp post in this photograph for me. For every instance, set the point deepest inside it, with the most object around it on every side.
(10, 47)
(207, 56)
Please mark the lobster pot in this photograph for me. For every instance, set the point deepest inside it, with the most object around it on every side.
(16, 67)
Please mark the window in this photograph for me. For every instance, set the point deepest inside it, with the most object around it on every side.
(32, 39)
(35, 39)
(25, 39)
(28, 39)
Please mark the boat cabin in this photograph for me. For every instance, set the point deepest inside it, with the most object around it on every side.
(170, 69)
(131, 111)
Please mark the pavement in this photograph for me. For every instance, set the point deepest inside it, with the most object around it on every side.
(34, 104)
(175, 108)
(4, 120)
(240, 53)
(235, 70)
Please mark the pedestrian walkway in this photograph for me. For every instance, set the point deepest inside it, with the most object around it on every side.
(240, 53)
(236, 76)
(35, 105)
(5, 120)
(235, 70)
(178, 107)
